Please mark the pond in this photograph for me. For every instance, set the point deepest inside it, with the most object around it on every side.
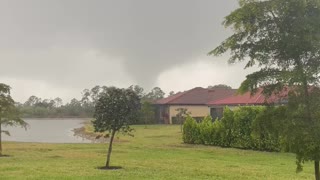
(47, 131)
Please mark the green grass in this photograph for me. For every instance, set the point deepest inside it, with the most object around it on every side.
(156, 152)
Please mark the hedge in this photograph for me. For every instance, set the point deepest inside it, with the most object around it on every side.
(257, 128)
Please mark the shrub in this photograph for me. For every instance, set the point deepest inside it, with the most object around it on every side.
(243, 119)
(227, 134)
(206, 130)
(257, 128)
(217, 133)
(191, 133)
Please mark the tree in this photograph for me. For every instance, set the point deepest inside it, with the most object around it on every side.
(147, 112)
(138, 90)
(86, 97)
(155, 94)
(86, 102)
(95, 94)
(171, 93)
(74, 108)
(58, 102)
(114, 112)
(282, 38)
(181, 115)
(224, 86)
(32, 100)
(9, 115)
(46, 103)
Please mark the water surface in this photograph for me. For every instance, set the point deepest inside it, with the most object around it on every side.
(47, 131)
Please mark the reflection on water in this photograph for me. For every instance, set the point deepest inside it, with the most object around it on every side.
(47, 131)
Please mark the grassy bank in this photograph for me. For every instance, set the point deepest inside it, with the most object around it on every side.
(156, 152)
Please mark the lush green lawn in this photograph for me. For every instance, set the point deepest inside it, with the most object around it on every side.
(154, 153)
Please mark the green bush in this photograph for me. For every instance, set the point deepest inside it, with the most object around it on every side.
(191, 134)
(206, 130)
(267, 127)
(243, 119)
(227, 131)
(257, 128)
(217, 133)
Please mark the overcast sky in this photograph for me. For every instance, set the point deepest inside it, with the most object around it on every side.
(56, 48)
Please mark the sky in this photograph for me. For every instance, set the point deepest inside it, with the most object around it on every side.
(57, 48)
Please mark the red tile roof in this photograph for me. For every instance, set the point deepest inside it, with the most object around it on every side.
(197, 96)
(170, 98)
(247, 99)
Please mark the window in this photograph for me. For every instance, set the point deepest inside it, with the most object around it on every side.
(216, 113)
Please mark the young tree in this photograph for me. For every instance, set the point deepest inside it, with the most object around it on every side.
(282, 38)
(115, 111)
(9, 115)
(181, 115)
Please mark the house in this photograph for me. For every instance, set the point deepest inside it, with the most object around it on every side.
(246, 99)
(194, 100)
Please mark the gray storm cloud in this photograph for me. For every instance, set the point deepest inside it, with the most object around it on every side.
(75, 41)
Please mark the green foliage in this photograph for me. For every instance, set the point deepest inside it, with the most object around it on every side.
(206, 130)
(222, 86)
(36, 107)
(147, 114)
(138, 90)
(155, 153)
(227, 127)
(256, 128)
(155, 94)
(116, 110)
(243, 118)
(181, 116)
(217, 133)
(191, 131)
(9, 115)
(303, 133)
(282, 38)
(268, 129)
(171, 93)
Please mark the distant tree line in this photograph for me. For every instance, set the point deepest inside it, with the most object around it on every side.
(35, 107)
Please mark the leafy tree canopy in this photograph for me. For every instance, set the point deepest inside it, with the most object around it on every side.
(115, 111)
(282, 38)
(155, 93)
(9, 115)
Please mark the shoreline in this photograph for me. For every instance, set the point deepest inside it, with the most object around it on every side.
(83, 132)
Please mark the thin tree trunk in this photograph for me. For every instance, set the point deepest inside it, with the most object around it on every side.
(110, 149)
(316, 170)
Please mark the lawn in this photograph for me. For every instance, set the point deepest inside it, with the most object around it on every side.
(156, 152)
